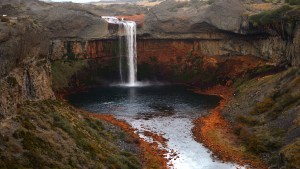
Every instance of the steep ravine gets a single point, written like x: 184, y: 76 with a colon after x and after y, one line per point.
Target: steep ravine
x: 231, y: 60
x: 49, y: 48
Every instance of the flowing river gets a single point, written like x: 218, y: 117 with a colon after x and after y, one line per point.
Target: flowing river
x: 167, y: 110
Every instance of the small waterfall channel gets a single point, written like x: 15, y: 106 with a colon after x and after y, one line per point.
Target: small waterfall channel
x: 128, y: 42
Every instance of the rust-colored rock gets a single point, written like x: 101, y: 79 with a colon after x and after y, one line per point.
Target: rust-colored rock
x: 216, y: 133
x: 151, y: 154
x: 139, y: 19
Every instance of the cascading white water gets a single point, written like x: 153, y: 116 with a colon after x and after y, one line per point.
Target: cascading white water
x: 129, y: 29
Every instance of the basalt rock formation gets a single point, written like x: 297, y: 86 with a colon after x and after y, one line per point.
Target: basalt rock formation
x: 171, y: 31
x: 36, y: 130
x: 46, y: 47
x: 195, y: 17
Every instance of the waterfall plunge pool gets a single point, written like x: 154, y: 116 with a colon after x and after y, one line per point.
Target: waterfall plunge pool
x: 166, y: 110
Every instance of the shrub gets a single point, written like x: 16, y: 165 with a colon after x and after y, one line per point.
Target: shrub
x: 293, y: 2
x: 262, y: 143
x: 263, y: 106
x: 12, y: 81
x: 95, y: 140
x: 270, y: 16
x: 292, y: 154
x: 282, y: 104
x: 248, y: 120
x: 263, y: 70
x: 63, y: 70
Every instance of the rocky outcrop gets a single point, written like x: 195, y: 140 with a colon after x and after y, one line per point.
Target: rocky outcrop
x: 265, y: 113
x: 55, y: 46
x: 29, y: 83
x: 24, y: 68
x: 293, y: 48
x: 25, y: 72
x: 195, y: 16
x: 26, y: 28
x: 53, y: 134
x: 270, y: 48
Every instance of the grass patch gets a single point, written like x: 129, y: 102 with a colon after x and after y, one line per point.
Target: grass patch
x: 282, y: 104
x: 265, y: 142
x: 293, y: 2
x: 55, y: 135
x: 271, y: 16
x: 263, y: 106
x: 12, y: 81
x: 63, y: 70
x: 291, y: 154
x: 248, y: 120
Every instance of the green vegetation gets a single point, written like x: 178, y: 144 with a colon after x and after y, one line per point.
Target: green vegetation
x: 63, y: 70
x: 293, y: 2
x: 271, y: 16
x: 12, y: 81
x: 70, y: 54
x: 82, y: 72
x: 291, y: 153
x: 51, y: 134
x: 265, y: 127
x: 263, y: 106
x: 248, y: 120
x: 264, y: 142
x: 263, y: 70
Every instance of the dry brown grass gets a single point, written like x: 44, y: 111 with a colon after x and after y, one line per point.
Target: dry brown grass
x: 216, y: 133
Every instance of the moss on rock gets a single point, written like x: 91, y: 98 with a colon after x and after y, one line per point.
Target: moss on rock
x: 52, y: 134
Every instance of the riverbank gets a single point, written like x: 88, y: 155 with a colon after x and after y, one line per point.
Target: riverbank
x: 53, y: 134
x: 151, y: 155
x: 214, y: 132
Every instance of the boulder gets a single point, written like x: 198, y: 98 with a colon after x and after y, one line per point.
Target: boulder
x: 195, y: 16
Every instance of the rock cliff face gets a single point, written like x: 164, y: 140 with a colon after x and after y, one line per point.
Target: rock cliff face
x: 293, y: 48
x: 24, y: 68
x: 31, y: 83
x: 195, y: 16
x: 271, y: 48
x: 170, y: 31
x: 53, y: 46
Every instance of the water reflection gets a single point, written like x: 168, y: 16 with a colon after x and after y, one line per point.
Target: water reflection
x: 132, y: 94
x: 165, y: 110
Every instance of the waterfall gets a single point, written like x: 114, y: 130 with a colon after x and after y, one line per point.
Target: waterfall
x: 128, y: 29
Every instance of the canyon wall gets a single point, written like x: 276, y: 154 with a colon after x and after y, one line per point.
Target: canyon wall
x: 270, y: 48
x: 30, y: 83
x: 25, y: 69
x: 36, y: 33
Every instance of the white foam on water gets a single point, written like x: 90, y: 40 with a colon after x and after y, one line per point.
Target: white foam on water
x: 190, y: 154
x: 129, y: 29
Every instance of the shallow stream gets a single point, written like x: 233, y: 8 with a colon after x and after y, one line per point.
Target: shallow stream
x: 167, y: 110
